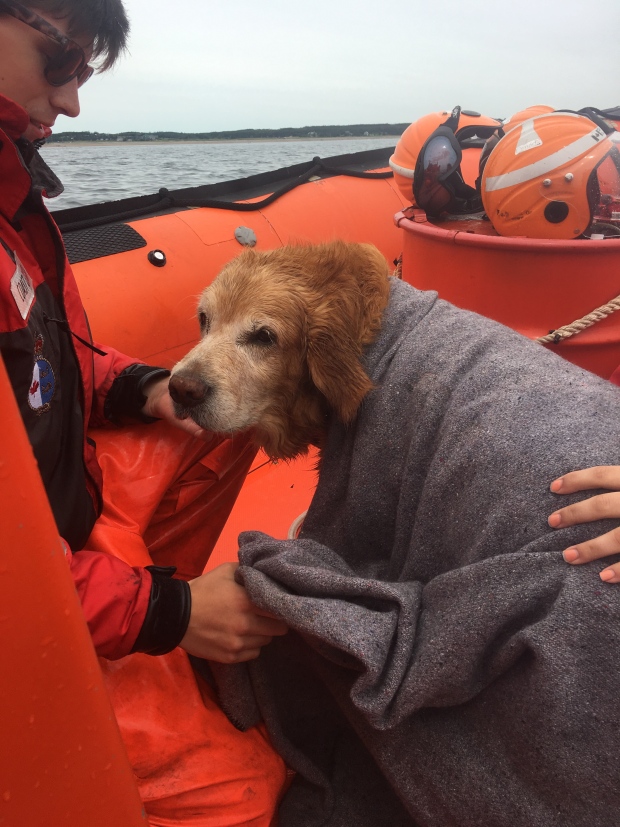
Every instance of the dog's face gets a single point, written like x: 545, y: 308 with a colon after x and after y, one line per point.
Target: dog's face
x: 282, y: 333
x: 251, y: 354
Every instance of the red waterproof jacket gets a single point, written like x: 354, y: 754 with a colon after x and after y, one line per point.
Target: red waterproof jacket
x: 63, y: 386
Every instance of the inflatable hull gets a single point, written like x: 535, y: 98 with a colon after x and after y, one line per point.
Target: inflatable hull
x: 140, y: 279
x: 149, y: 310
x: 141, y: 264
x: 62, y: 761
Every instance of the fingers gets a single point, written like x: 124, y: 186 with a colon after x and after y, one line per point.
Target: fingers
x: 611, y: 574
x: 236, y: 650
x: 600, y: 476
x: 224, y: 625
x: 599, y: 547
x: 600, y: 507
x: 596, y: 549
x: 227, y: 647
x: 271, y: 626
x: 160, y: 405
x: 190, y: 427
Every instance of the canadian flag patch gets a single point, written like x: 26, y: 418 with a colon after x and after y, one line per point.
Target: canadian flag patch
x: 43, y: 382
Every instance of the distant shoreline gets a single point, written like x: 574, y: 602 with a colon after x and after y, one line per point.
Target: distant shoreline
x: 158, y: 142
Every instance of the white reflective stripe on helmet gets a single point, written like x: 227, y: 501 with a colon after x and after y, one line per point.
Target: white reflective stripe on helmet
x: 529, y: 138
x: 404, y: 171
x: 558, y: 159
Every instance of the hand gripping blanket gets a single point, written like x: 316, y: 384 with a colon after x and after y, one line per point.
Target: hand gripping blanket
x: 446, y: 667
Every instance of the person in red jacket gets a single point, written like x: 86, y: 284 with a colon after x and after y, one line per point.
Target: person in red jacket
x: 190, y: 762
x: 64, y: 382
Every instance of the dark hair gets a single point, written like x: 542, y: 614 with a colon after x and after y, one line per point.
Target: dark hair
x: 105, y: 21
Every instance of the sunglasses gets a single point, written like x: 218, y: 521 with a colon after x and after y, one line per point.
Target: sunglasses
x: 69, y: 62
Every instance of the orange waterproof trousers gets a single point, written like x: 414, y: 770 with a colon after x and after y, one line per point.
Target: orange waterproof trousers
x: 166, y: 499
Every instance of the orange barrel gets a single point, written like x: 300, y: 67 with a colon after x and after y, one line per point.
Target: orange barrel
x: 532, y: 285
x: 62, y: 762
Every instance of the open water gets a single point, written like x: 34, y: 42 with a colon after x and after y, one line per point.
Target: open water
x: 107, y: 172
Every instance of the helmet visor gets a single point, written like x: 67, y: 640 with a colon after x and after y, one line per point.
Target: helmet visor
x: 603, y: 191
x: 439, y: 158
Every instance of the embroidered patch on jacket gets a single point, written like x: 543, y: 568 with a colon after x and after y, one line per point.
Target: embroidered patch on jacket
x: 43, y: 385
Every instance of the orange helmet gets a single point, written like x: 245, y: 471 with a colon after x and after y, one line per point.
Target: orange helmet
x: 525, y: 114
x: 435, y: 162
x: 508, y: 123
x: 555, y: 175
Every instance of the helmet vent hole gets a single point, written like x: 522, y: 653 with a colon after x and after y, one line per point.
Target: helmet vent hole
x: 556, y: 211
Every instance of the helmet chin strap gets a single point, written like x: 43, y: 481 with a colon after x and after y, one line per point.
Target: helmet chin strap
x: 597, y: 116
x: 466, y: 199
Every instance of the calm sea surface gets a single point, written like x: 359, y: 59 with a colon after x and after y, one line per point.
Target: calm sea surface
x: 107, y: 172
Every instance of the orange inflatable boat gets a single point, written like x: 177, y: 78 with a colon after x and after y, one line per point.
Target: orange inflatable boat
x: 63, y: 761
x: 158, y: 253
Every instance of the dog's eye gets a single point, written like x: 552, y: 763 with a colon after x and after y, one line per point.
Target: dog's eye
x: 203, y: 321
x: 263, y: 336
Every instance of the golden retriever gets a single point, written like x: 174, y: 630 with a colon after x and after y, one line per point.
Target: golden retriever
x: 282, y: 335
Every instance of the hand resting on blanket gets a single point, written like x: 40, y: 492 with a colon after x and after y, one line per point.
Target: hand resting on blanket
x: 600, y: 507
x: 224, y: 625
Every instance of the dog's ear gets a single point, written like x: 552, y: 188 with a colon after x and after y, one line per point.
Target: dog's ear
x: 335, y: 369
x: 345, y: 316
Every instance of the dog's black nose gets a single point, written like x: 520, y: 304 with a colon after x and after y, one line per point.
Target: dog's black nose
x: 187, y: 391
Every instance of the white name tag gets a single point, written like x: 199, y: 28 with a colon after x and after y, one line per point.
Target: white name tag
x: 22, y: 288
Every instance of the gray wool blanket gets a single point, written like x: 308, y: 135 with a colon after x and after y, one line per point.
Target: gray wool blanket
x: 446, y: 667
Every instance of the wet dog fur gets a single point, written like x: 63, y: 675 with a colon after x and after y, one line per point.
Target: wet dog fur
x: 282, y: 333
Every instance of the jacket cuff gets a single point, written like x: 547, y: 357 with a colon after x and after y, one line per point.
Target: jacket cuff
x: 167, y: 615
x: 126, y: 397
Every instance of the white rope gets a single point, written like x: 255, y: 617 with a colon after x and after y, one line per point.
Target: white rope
x: 398, y: 271
x: 556, y: 336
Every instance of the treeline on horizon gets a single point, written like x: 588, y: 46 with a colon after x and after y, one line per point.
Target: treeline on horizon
x: 376, y: 130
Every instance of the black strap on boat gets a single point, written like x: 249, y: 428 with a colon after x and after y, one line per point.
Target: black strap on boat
x: 318, y: 167
x: 167, y: 200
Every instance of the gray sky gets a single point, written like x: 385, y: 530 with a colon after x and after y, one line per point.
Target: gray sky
x: 204, y: 65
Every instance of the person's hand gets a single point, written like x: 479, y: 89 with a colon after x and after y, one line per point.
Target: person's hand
x: 224, y: 625
x: 600, y: 507
x: 159, y: 404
